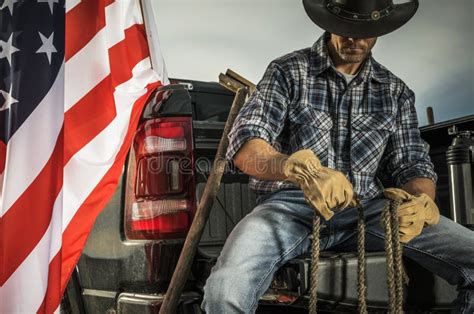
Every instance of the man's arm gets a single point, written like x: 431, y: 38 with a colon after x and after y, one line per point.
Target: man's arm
x: 406, y: 156
x: 325, y: 189
x: 260, y: 120
x: 259, y: 159
x: 420, y: 185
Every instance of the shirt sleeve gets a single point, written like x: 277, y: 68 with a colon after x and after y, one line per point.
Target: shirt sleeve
x: 406, y: 155
x: 263, y: 115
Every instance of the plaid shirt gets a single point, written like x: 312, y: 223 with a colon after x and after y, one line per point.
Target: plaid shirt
x: 367, y: 129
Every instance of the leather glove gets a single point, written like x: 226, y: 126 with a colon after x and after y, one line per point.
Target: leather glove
x: 414, y: 213
x: 324, y: 188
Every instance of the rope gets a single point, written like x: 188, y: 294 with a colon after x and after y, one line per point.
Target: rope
x: 392, y: 297
x: 314, y: 265
x: 361, y: 286
x: 396, y: 275
x: 397, y: 255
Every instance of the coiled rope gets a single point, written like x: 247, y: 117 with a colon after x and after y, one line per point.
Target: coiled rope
x: 361, y: 287
x: 313, y: 299
x: 396, y: 275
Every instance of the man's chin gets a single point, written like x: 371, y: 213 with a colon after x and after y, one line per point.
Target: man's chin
x: 352, y: 58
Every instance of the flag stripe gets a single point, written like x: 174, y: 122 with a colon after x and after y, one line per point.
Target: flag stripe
x: 127, y: 53
x: 82, y: 26
x: 18, y: 177
x: 107, y: 2
x: 90, y: 65
x: 101, y: 152
x: 52, y: 298
x: 75, y: 235
x: 79, y: 131
x: 3, y: 157
x: 33, y: 270
x: 21, y: 219
x: 71, y: 4
x: 86, y: 69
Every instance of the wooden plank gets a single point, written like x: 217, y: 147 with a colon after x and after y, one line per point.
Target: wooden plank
x: 230, y: 83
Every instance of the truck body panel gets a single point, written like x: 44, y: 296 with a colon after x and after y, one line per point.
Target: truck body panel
x: 123, y: 275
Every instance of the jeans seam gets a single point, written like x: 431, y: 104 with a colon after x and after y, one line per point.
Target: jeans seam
x: 290, y: 250
x: 465, y: 275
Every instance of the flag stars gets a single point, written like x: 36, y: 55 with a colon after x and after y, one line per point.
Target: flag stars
x: 50, y: 3
x: 7, y: 49
x: 8, y: 100
x: 8, y: 4
x: 47, y: 47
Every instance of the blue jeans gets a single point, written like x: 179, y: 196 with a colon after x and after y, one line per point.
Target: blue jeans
x: 277, y: 230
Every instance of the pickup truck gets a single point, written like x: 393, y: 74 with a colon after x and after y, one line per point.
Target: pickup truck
x: 134, y: 246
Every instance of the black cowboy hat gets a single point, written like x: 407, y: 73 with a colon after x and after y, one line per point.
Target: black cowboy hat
x: 359, y: 18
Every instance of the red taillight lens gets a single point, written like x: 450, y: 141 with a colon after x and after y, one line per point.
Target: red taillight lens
x: 160, y: 199
x: 167, y: 216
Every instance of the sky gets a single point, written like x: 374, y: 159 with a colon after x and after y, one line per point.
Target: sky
x: 433, y: 53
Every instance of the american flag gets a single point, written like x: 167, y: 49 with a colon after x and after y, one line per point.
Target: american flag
x: 74, y: 78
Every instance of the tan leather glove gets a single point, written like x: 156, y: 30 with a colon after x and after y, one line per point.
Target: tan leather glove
x: 414, y: 213
x: 324, y: 188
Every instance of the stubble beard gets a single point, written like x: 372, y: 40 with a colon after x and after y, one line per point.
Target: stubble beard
x: 352, y: 57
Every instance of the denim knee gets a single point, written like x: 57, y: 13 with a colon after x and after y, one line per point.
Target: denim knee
x: 225, y: 292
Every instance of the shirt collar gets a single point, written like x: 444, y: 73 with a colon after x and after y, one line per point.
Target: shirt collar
x: 378, y: 73
x: 322, y: 61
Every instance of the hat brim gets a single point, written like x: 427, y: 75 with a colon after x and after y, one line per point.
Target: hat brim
x: 321, y: 16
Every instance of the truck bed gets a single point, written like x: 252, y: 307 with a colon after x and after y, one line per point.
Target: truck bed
x: 120, y: 275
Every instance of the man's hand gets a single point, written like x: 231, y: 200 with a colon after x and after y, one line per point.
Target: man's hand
x: 324, y: 188
x: 414, y: 213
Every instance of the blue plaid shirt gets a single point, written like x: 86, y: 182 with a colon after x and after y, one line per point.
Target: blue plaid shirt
x: 367, y: 129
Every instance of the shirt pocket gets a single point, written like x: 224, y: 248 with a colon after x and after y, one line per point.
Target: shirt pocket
x: 311, y: 129
x: 369, y: 136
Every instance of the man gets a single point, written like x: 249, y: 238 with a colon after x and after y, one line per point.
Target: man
x: 322, y: 126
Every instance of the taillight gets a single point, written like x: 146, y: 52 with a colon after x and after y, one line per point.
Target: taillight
x: 160, y: 195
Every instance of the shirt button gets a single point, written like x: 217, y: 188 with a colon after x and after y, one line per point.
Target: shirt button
x: 344, y: 123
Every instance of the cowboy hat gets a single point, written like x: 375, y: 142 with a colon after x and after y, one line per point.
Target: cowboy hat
x: 359, y: 18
